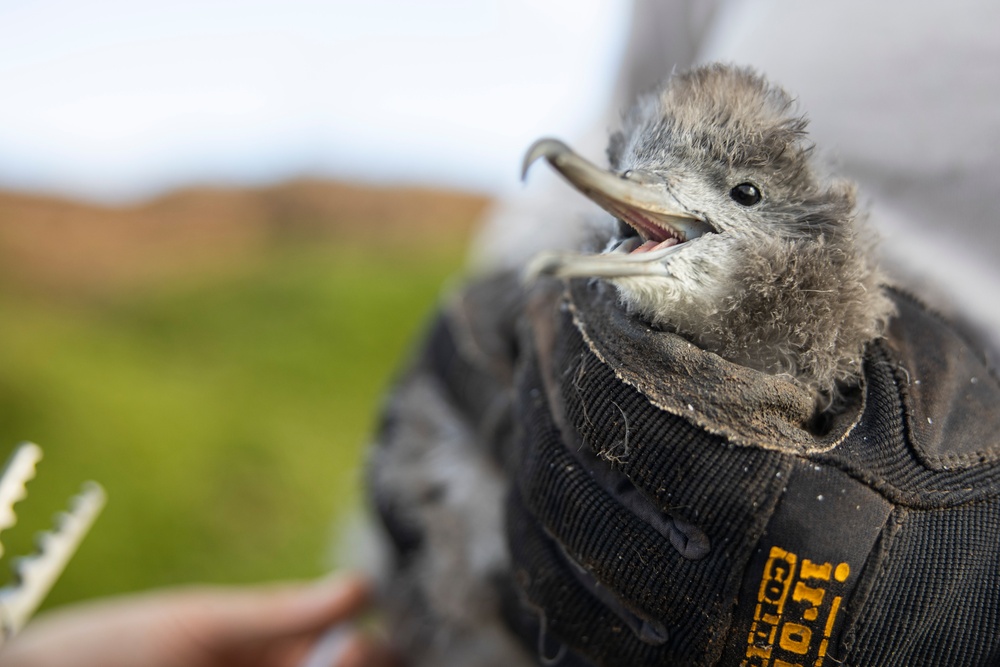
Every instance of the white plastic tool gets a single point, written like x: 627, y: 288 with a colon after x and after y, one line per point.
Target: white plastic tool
x: 35, y: 574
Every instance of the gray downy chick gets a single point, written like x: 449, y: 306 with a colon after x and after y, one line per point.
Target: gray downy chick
x: 729, y: 233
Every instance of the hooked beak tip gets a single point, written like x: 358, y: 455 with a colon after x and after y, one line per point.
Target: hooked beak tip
x: 547, y: 148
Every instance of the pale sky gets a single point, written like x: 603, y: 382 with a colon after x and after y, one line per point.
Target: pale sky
x: 120, y: 99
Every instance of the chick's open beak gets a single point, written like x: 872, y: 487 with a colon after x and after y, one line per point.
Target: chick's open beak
x: 639, y: 199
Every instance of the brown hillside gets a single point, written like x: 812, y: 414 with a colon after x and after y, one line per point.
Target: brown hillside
x: 53, y: 243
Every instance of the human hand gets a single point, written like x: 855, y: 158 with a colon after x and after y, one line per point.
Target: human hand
x: 262, y: 626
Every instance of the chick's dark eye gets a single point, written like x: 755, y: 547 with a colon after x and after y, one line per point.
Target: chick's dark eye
x: 745, y: 194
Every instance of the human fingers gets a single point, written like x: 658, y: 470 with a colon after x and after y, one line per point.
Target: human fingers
x: 221, y: 617
x: 367, y: 651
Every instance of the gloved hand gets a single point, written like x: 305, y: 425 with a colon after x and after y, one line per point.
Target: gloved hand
x: 664, y: 506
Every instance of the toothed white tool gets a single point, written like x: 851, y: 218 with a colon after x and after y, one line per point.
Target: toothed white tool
x: 19, y: 471
x: 35, y: 574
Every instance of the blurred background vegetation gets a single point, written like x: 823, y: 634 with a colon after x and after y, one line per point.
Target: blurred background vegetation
x: 215, y: 359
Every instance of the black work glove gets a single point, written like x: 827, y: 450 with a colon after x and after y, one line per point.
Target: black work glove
x: 666, y: 507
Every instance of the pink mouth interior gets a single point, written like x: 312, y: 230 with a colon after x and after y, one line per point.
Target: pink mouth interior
x: 649, y: 246
x: 657, y: 237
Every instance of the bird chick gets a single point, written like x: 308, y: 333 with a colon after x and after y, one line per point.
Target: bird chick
x: 729, y: 234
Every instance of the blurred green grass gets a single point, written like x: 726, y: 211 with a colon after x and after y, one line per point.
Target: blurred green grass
x: 226, y: 415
